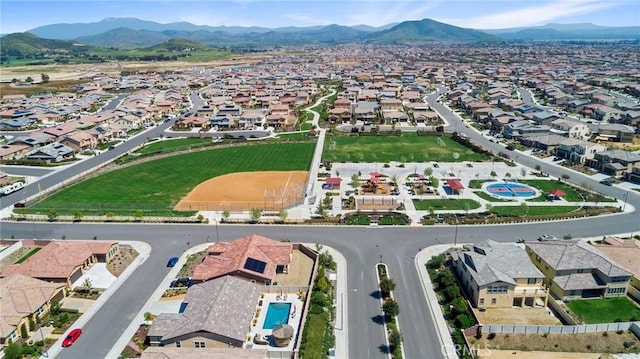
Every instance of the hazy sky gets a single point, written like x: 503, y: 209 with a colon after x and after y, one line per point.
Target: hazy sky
x: 22, y: 15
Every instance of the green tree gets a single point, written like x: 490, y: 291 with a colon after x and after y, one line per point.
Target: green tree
x: 226, y: 215
x: 523, y: 171
x: 45, y: 78
x: 77, y: 216
x: 434, y: 182
x: 428, y: 171
x: 32, y: 324
x: 255, y: 213
x: 395, y: 339
x: 387, y: 285
x: 87, y: 284
x: 55, y: 307
x: 13, y: 351
x: 23, y: 332
x: 52, y: 215
x: 29, y: 80
x: 391, y: 309
x: 565, y: 176
x: 525, y: 208
x: 321, y: 210
x: 283, y: 214
x: 138, y: 215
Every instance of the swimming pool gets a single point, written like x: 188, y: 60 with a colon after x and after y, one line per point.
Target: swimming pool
x: 510, y: 190
x: 277, y: 313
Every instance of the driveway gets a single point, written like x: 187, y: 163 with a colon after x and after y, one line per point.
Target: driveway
x: 99, y: 275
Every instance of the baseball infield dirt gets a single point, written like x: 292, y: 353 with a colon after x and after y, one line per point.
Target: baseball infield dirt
x: 269, y: 191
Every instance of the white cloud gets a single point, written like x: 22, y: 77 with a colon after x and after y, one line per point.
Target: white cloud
x: 532, y: 15
x: 382, y: 13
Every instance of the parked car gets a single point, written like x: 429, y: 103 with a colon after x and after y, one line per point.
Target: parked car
x: 546, y: 237
x: 510, y: 148
x: 10, y: 188
x: 606, y: 182
x: 182, y: 282
x: 71, y: 338
x: 172, y: 261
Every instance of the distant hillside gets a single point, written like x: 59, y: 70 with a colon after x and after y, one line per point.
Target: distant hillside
x: 125, y: 38
x: 178, y: 45
x: 582, y: 31
x: 427, y: 30
x: 25, y: 44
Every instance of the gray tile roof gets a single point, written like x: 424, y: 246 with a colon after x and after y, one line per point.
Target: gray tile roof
x: 576, y: 254
x: 578, y: 281
x: 501, y: 262
x: 223, y: 306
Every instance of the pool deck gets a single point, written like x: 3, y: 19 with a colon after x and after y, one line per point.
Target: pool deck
x: 295, y: 317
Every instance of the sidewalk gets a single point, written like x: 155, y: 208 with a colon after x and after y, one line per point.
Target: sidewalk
x: 447, y: 347
x: 341, y: 325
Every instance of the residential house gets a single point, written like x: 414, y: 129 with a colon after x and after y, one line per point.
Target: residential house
x: 625, y: 251
x: 55, y: 152
x: 34, y: 140
x: 615, y: 132
x: 522, y: 128
x: 253, y: 257
x: 22, y: 299
x: 547, y: 142
x: 64, y: 261
x: 544, y: 117
x: 218, y: 314
x: 577, y: 150
x: 634, y: 175
x: 13, y: 152
x: 570, y: 128
x: 499, y: 275
x: 614, y: 162
x: 80, y: 141
x: 575, y: 269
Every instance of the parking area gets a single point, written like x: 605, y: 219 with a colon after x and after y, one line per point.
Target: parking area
x: 99, y: 275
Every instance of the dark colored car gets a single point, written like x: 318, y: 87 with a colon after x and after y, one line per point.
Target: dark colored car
x: 182, y: 282
x: 510, y: 148
x: 172, y: 261
x: 71, y: 338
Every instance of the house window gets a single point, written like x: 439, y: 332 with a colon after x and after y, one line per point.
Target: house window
x: 531, y: 281
x: 497, y: 289
x: 616, y: 290
x: 481, y: 301
x: 199, y: 344
x: 493, y: 301
x: 178, y: 344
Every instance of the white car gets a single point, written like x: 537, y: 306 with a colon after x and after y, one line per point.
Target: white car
x: 10, y: 188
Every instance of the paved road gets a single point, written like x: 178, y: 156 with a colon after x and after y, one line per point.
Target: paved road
x: 362, y: 246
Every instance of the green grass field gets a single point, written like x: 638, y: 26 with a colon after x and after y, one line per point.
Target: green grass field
x: 445, y: 204
x: 514, y: 211
x: 545, y: 186
x: 158, y: 185
x: 406, y: 148
x: 593, y: 311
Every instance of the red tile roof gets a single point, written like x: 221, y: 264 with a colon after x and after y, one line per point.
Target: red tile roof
x: 230, y: 257
x: 455, y: 184
x: 58, y: 259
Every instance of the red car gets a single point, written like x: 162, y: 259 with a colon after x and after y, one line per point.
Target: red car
x: 72, y: 337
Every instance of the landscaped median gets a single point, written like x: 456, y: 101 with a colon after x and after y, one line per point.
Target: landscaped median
x: 391, y: 310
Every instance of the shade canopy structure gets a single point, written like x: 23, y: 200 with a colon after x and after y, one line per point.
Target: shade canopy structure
x: 557, y: 193
x: 375, y: 174
x: 455, y: 184
x: 282, y: 335
x: 335, y: 181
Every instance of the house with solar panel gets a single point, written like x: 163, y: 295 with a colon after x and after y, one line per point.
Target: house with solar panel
x: 255, y: 258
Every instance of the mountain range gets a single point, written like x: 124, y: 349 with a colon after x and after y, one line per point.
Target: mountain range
x: 136, y: 33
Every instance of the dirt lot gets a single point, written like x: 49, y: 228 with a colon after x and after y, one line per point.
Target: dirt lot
x: 526, y: 315
x: 121, y: 261
x: 611, y: 342
x: 243, y: 191
x: 511, y: 354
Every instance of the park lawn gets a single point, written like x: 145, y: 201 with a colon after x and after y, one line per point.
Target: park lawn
x: 159, y: 184
x: 314, y: 336
x: 513, y: 211
x: 544, y: 186
x: 605, y: 310
x: 406, y: 148
x: 174, y: 145
x: 488, y: 197
x: 445, y: 204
